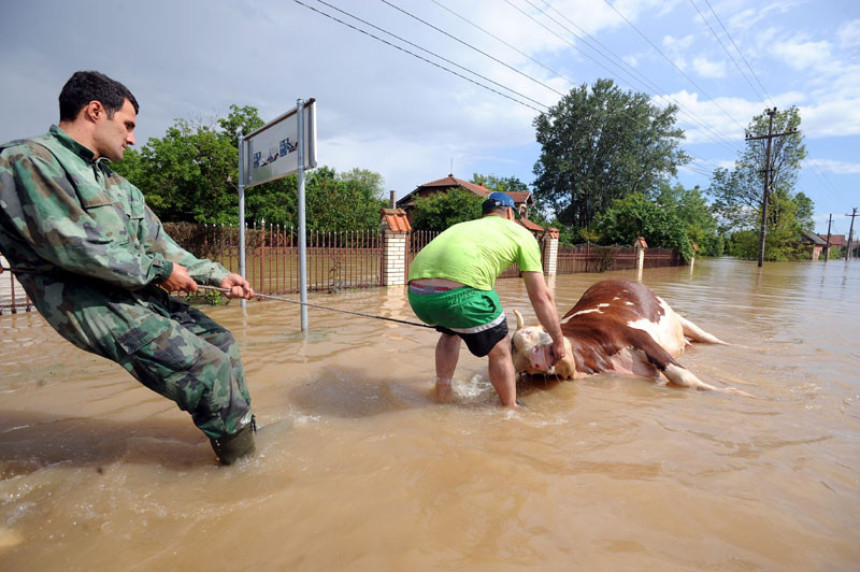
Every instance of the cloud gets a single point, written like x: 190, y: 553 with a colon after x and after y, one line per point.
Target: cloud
x: 848, y: 34
x: 830, y: 166
x: 802, y: 53
x: 710, y: 69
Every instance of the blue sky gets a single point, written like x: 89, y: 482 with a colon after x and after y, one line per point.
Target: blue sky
x: 384, y: 109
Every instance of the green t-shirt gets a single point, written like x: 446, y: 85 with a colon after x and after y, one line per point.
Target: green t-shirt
x: 474, y: 253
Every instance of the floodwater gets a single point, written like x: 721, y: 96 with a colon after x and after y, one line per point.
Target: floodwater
x: 358, y: 469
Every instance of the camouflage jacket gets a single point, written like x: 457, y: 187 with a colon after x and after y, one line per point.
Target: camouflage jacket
x: 61, y: 212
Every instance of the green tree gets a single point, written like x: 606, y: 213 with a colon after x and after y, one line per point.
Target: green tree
x: 191, y: 175
x: 187, y: 175
x: 692, y: 209
x: 637, y: 215
x: 440, y: 210
x: 501, y: 184
x: 600, y: 144
x: 737, y: 193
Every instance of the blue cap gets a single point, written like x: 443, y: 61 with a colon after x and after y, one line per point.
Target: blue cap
x: 500, y: 200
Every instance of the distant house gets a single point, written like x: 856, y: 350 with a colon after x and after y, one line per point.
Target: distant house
x: 522, y: 199
x: 837, y: 242
x: 813, y: 242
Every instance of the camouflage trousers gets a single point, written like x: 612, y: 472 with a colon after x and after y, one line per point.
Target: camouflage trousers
x: 170, y: 347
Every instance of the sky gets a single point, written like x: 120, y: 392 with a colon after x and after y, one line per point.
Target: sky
x: 417, y: 89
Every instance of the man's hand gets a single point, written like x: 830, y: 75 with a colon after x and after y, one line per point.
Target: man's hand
x: 558, y: 351
x: 238, y: 287
x: 179, y: 280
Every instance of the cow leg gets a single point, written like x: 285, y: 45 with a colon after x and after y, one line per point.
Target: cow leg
x: 697, y: 334
x: 676, y: 373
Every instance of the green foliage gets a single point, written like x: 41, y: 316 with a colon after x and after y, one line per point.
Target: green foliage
x: 694, y: 213
x: 190, y: 175
x: 636, y: 215
x: 600, y: 144
x: 737, y: 193
x: 502, y: 184
x: 440, y: 210
x: 782, y: 241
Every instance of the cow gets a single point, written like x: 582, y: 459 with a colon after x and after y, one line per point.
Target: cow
x: 619, y: 326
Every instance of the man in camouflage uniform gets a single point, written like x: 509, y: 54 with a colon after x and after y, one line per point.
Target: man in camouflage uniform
x: 98, y: 264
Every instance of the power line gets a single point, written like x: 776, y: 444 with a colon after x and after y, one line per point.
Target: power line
x: 386, y: 42
x: 654, y: 88
x: 740, y: 53
x: 500, y: 40
x: 646, y: 82
x: 483, y: 53
x: 668, y: 59
x: 731, y: 57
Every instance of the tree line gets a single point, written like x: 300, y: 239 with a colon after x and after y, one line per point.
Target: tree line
x: 605, y: 171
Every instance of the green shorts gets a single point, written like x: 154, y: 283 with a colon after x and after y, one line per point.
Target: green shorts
x: 474, y: 315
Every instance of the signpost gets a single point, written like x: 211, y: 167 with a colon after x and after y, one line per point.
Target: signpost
x: 282, y: 147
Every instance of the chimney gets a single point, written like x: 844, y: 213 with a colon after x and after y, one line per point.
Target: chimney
x: 392, y: 202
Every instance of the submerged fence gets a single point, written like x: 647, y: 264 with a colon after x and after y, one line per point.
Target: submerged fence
x: 588, y: 257
x: 340, y: 260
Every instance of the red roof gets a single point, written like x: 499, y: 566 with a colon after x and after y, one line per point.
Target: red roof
x: 530, y: 225
x: 451, y: 181
x: 396, y: 220
x: 835, y: 239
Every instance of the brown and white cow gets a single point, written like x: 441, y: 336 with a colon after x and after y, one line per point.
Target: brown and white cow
x: 619, y: 326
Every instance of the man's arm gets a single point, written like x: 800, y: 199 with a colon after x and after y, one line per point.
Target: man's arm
x: 543, y: 303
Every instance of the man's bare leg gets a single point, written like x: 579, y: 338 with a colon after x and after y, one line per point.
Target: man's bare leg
x: 447, y: 355
x: 502, y: 374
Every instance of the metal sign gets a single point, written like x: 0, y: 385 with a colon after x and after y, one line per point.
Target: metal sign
x: 272, y: 151
x: 282, y: 147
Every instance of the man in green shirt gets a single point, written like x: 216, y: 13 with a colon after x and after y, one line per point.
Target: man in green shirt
x: 98, y: 264
x: 451, y: 287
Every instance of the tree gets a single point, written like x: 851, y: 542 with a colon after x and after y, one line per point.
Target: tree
x: 637, y: 215
x: 438, y: 211
x: 191, y: 174
x: 601, y: 144
x: 693, y: 211
x: 501, y: 184
x: 737, y: 193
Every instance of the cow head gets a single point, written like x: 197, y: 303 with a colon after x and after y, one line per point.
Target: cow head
x: 531, y: 349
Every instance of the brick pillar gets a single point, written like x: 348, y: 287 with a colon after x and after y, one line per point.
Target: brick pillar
x: 550, y: 262
x: 396, y: 229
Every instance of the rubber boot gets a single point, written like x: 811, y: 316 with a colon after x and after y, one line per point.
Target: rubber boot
x: 230, y: 448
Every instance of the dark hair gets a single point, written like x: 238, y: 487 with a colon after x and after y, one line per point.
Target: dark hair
x: 491, y: 207
x: 86, y: 86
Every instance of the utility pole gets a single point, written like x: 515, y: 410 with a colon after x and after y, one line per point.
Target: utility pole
x: 768, y: 177
x: 827, y: 246
x: 853, y: 214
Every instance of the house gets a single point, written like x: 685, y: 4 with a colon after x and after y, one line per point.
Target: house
x: 837, y: 242
x: 813, y: 242
x: 522, y: 199
x: 407, y: 203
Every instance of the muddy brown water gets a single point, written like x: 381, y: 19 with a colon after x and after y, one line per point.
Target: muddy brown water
x: 359, y: 469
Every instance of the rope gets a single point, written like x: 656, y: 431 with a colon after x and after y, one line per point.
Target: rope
x: 282, y: 299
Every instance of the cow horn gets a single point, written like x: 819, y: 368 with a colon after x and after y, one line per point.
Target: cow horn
x: 519, y: 320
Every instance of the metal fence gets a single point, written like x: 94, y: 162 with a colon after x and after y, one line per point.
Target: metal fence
x: 593, y: 258
x: 337, y: 260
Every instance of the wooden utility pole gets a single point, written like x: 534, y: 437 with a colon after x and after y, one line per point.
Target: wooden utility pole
x: 827, y: 246
x: 768, y: 177
x: 853, y: 214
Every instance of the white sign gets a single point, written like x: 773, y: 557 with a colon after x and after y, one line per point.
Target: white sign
x: 271, y: 152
